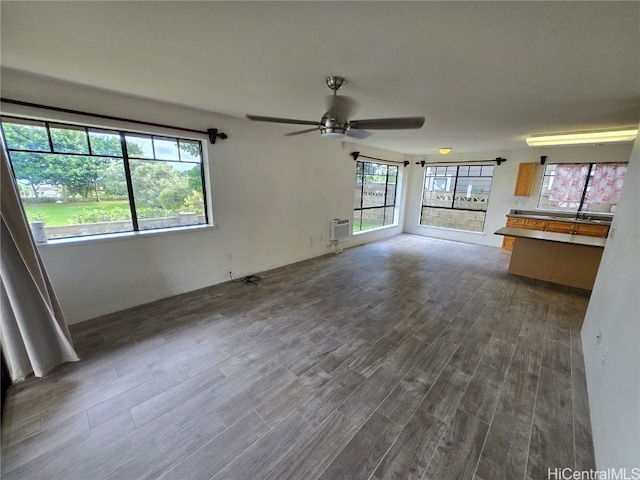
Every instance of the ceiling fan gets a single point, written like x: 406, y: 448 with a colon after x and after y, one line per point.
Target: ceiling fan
x: 335, y: 122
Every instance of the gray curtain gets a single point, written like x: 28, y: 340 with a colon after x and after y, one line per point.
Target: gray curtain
x: 33, y: 331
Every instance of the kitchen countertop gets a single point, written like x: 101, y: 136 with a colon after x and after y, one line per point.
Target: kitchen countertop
x: 552, y: 236
x: 598, y: 220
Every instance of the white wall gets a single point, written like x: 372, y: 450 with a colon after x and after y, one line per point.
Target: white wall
x: 614, y: 312
x: 273, y: 198
x: 502, y: 199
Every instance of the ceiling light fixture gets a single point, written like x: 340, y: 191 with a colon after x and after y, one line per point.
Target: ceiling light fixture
x: 583, y: 138
x: 444, y: 150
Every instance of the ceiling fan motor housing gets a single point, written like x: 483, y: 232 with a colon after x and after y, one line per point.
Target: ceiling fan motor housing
x: 331, y: 128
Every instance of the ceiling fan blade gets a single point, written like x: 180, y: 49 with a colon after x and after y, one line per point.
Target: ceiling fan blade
x: 259, y: 118
x: 340, y: 107
x: 388, y: 123
x: 299, y: 132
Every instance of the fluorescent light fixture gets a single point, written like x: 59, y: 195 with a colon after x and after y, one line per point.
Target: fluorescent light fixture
x: 444, y: 150
x: 582, y: 138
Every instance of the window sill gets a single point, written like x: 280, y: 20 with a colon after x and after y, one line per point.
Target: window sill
x: 457, y: 230
x: 89, y: 239
x: 376, y: 229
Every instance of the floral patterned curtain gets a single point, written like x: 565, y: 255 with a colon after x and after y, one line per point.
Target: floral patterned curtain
x: 568, y: 183
x: 606, y: 183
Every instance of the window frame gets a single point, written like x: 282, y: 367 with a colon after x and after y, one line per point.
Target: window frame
x: 431, y: 180
x: 125, y: 158
x: 359, y: 210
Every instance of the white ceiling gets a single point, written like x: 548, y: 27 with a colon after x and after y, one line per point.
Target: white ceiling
x: 484, y: 74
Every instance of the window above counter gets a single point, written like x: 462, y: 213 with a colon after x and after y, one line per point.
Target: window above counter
x: 582, y: 188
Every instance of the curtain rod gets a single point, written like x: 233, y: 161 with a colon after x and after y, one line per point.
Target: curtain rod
x: 498, y: 160
x: 355, y: 156
x: 211, y: 132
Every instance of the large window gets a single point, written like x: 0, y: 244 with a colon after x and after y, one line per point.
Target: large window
x: 582, y: 187
x: 81, y: 180
x: 456, y: 196
x: 375, y: 200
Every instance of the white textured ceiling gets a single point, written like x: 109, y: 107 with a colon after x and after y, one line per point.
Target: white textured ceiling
x: 484, y: 74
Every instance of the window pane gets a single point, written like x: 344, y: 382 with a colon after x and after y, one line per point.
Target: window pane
x: 26, y: 135
x: 605, y: 185
x: 487, y: 170
x: 358, y: 198
x: 373, y: 194
x: 475, y: 171
x: 388, y: 215
x: 372, y: 218
x: 391, y: 194
x: 104, y: 142
x: 166, y: 149
x: 73, y: 195
x: 453, y: 219
x: 472, y: 193
x: 463, y: 171
x: 167, y: 194
x: 139, y: 146
x: 190, y: 151
x: 69, y: 139
x: 357, y: 221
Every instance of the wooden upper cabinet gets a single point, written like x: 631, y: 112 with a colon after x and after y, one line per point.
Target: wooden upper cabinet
x: 524, y: 181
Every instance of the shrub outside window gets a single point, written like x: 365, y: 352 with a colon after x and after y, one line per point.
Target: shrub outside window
x: 456, y: 196
x: 582, y: 187
x: 375, y: 195
x: 81, y: 180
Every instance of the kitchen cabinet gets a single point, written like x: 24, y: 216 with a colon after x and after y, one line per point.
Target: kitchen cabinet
x: 557, y: 226
x: 561, y: 258
x: 591, y: 230
x: 534, y: 224
x: 524, y: 180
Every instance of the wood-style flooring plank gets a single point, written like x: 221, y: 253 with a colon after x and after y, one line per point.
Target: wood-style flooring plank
x: 205, y: 462
x: 445, y: 394
x: 360, y: 457
x: 318, y: 450
x: 266, y: 453
x: 411, y: 452
x: 459, y: 449
x: 504, y: 456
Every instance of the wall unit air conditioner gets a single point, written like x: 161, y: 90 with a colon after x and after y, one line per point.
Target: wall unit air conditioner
x: 340, y: 228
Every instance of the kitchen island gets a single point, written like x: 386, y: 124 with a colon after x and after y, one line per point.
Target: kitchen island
x: 562, y: 258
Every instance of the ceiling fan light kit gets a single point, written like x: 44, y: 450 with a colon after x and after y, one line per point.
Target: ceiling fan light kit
x: 335, y: 122
x: 583, y: 138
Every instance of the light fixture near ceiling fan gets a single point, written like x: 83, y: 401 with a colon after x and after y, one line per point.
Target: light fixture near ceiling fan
x: 335, y: 122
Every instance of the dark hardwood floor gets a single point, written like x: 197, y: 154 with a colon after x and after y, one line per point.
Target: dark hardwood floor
x: 409, y: 358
